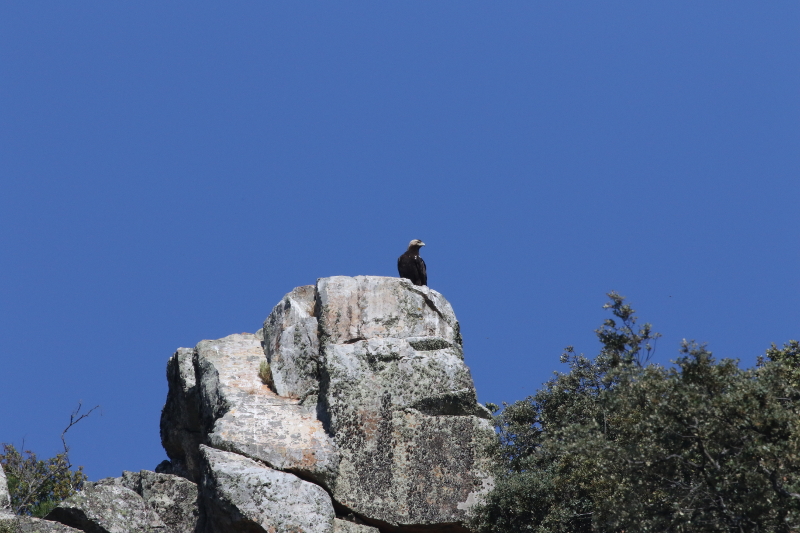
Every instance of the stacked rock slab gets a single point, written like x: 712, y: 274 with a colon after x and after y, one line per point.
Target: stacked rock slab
x: 142, y: 501
x: 400, y: 404
x: 25, y: 524
x: 245, y: 495
x: 291, y: 343
x: 217, y: 385
x: 171, y: 498
x: 367, y: 422
x: 108, y: 508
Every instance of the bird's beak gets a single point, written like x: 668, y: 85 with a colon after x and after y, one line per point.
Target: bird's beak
x: 422, y: 244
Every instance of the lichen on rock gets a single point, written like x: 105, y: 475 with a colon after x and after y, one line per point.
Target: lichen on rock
x: 371, y: 411
x: 244, y: 495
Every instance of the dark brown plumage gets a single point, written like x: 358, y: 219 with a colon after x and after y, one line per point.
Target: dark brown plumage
x: 411, y: 266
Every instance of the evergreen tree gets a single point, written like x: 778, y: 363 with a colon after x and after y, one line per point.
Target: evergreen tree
x: 619, y: 445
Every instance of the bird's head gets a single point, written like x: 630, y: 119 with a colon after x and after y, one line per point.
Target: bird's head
x: 416, y: 243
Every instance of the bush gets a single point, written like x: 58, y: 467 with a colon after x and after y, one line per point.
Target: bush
x: 36, y: 485
x: 618, y: 445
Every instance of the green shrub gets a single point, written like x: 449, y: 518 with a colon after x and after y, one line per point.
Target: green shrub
x: 618, y: 445
x: 36, y: 485
x: 265, y: 375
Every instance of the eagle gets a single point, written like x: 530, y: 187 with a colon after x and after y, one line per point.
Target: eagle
x: 411, y: 266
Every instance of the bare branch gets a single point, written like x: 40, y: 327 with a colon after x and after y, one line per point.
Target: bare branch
x: 74, y: 418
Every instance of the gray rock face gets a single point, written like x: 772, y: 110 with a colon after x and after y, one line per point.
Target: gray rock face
x: 26, y: 524
x: 343, y: 526
x: 366, y: 307
x: 106, y: 508
x: 5, y: 500
x: 182, y: 429
x: 172, y: 498
x: 235, y: 411
x: 292, y: 345
x: 373, y: 410
x: 400, y: 403
x: 244, y: 495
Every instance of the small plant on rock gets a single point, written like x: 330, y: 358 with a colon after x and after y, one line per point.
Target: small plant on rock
x: 265, y: 375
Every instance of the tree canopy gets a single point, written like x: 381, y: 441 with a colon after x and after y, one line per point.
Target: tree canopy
x: 619, y: 445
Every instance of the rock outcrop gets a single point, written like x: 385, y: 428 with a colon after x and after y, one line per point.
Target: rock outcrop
x: 350, y: 411
x: 245, y: 495
x: 399, y: 402
x: 5, y: 500
x: 10, y: 523
x: 172, y: 498
x: 343, y: 526
x: 107, y: 508
x: 235, y: 411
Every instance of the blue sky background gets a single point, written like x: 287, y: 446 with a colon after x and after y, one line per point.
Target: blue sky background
x: 171, y: 169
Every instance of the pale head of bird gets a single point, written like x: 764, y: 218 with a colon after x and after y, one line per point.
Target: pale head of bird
x: 415, y: 244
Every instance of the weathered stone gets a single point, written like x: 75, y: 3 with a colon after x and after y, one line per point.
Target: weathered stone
x: 26, y: 524
x: 413, y: 469
x: 172, y: 498
x: 238, y: 413
x: 400, y: 403
x: 372, y: 401
x: 107, y: 508
x: 5, y: 500
x: 244, y: 495
x: 433, y: 381
x: 182, y: 429
x: 292, y: 345
x: 256, y: 422
x: 366, y: 307
x: 343, y: 526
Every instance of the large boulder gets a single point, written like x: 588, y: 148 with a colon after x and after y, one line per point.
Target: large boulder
x: 400, y: 403
x: 235, y: 411
x: 10, y: 523
x: 367, y: 307
x: 172, y: 498
x: 291, y: 344
x: 107, y: 508
x: 241, y: 494
x: 182, y: 429
x: 367, y: 400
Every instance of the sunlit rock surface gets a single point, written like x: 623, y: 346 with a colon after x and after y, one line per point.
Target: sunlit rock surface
x: 236, y: 411
x: 172, y: 498
x: 350, y: 411
x: 244, y: 495
x: 110, y: 508
x: 343, y: 526
x: 400, y: 403
x: 291, y: 345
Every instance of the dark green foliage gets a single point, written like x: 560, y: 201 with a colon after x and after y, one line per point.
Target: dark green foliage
x: 36, y: 485
x: 615, y: 445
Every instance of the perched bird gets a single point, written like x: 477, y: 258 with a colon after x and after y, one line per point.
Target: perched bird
x: 411, y: 266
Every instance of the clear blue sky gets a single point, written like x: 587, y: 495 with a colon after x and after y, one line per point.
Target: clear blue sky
x: 169, y: 170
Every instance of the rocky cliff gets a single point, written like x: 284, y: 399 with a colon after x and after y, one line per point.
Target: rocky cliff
x: 351, y: 410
